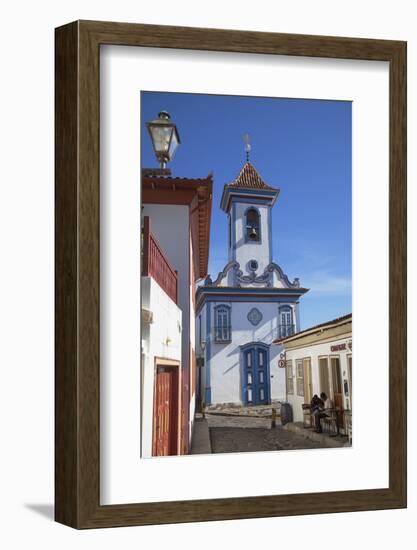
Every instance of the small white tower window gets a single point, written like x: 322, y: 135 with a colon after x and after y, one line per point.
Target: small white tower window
x: 253, y: 232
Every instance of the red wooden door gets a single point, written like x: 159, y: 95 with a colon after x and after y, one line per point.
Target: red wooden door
x: 165, y: 422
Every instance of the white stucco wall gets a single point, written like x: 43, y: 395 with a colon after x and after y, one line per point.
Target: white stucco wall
x: 161, y: 339
x: 170, y: 225
x: 193, y: 375
x: 224, y: 360
x: 314, y: 352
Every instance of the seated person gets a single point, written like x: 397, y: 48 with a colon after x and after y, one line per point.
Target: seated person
x: 322, y: 410
x: 328, y: 403
x: 316, y: 406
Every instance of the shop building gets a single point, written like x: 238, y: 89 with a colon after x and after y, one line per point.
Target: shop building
x: 316, y: 360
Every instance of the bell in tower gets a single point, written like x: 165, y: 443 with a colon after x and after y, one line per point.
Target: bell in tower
x: 252, y: 225
x: 253, y: 235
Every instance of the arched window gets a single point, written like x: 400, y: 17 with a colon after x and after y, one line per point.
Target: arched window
x: 253, y: 226
x: 222, y: 324
x: 286, y: 322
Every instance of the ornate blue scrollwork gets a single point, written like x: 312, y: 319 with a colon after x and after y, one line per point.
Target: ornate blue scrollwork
x: 255, y: 316
x: 266, y: 278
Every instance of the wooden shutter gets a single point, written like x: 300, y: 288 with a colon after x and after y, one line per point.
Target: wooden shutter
x: 324, y: 376
x: 289, y: 377
x: 300, y: 377
x: 308, y: 390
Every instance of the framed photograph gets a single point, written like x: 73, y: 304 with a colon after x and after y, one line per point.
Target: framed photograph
x: 230, y: 274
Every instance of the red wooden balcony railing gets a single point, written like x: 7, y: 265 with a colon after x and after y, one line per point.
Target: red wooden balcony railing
x: 155, y: 264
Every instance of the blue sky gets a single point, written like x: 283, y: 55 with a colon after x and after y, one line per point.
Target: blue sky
x: 303, y: 147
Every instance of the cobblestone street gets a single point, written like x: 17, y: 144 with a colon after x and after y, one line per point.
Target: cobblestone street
x: 230, y: 434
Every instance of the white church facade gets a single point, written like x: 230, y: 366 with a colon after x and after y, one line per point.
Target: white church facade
x: 250, y: 304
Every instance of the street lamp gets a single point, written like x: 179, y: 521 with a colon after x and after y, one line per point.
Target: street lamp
x: 165, y: 138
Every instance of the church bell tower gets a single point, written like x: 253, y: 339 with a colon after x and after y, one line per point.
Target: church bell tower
x: 248, y: 203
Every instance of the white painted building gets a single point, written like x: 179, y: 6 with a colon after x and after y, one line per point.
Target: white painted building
x: 176, y: 226
x: 161, y: 347
x: 251, y: 303
x: 319, y: 359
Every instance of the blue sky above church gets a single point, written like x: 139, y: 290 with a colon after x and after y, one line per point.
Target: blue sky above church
x: 303, y: 147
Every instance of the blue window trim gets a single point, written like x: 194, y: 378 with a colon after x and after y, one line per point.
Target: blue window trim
x: 245, y: 225
x: 253, y: 344
x: 228, y: 326
x: 290, y: 328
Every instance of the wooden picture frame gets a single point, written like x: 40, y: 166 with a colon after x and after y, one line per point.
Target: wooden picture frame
x: 77, y: 405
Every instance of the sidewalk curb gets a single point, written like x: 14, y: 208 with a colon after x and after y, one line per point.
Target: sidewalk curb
x: 200, y: 441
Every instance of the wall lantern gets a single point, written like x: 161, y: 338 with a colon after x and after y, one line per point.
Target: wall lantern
x: 164, y: 136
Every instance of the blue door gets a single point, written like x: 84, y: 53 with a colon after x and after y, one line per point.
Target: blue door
x: 255, y: 374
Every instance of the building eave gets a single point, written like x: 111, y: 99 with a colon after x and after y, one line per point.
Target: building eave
x: 224, y: 292
x: 235, y: 191
x: 183, y: 191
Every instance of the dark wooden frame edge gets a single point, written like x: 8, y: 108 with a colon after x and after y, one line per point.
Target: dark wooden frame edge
x: 77, y: 407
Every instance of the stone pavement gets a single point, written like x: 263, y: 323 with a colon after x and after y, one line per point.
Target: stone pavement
x: 231, y: 434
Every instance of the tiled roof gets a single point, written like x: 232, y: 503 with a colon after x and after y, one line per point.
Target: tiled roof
x: 249, y: 177
x: 169, y: 180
